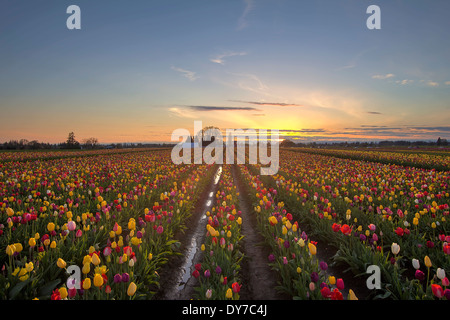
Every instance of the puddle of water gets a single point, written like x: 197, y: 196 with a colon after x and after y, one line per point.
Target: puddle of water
x: 218, y: 174
x: 194, y: 246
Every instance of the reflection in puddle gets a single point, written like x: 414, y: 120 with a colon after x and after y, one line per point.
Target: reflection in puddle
x: 194, y: 246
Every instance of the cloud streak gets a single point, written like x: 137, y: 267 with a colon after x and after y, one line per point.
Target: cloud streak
x: 277, y: 104
x: 186, y: 73
x: 221, y: 108
x: 383, y: 76
x: 220, y: 59
x: 242, y: 22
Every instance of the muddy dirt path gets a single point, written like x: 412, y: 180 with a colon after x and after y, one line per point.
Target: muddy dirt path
x: 258, y: 280
x: 176, y: 280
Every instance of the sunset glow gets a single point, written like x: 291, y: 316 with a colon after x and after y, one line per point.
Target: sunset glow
x: 136, y: 72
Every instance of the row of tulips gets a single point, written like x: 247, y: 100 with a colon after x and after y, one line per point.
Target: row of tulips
x: 218, y: 274
x: 368, y: 211
x: 294, y: 254
x: 435, y: 159
x: 58, y: 154
x: 113, y: 216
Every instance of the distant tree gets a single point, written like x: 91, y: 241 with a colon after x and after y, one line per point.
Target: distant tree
x: 71, y: 142
x: 90, y: 143
x: 439, y: 142
x: 286, y: 143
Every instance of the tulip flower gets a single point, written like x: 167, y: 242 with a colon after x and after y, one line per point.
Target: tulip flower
x: 416, y: 264
x: 131, y: 289
x: 340, y: 284
x: 95, y: 259
x: 440, y: 273
x: 437, y: 290
x: 98, y: 280
x: 236, y: 287
x: 208, y: 294
x: 352, y: 295
x: 10, y: 250
x: 229, y: 294
x: 63, y: 292
x: 71, y: 225
x: 427, y: 261
x: 419, y: 275
x: 312, y: 248
x: 125, y: 277
x: 86, y: 283
x: 61, y: 263
x: 395, y: 248
x: 32, y: 242
x: 50, y: 226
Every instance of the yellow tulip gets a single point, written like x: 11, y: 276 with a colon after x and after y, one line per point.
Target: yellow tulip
x: 50, y: 226
x: 428, y: 262
x: 131, y: 289
x: 18, y: 247
x: 352, y: 295
x: 229, y: 293
x: 312, y: 248
x: 150, y: 256
x: 332, y: 280
x: 32, y: 242
x: 98, y: 280
x: 29, y: 266
x: 87, y: 259
x: 86, y: 283
x: 63, y: 292
x: 86, y: 268
x: 61, y: 263
x: 95, y: 259
x: 10, y: 250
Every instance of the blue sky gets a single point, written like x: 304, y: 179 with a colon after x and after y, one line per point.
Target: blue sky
x: 138, y: 70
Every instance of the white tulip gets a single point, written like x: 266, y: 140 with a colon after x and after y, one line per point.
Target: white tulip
x: 395, y: 248
x: 416, y: 264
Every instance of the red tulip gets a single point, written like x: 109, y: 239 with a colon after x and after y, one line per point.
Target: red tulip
x: 437, y: 290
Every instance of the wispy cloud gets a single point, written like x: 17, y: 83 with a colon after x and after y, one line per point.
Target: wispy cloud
x: 221, y: 108
x: 220, y: 59
x: 404, y: 82
x: 373, y: 112
x: 180, y: 112
x: 432, y: 84
x: 383, y: 76
x: 447, y: 83
x: 242, y: 22
x: 186, y: 73
x: 250, y: 82
x: 277, y: 104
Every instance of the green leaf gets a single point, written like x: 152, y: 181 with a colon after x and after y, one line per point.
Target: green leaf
x: 17, y: 288
x: 47, y: 288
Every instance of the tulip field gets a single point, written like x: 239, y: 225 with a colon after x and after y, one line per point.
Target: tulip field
x: 120, y: 217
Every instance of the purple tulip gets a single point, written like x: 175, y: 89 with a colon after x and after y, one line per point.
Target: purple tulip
x: 218, y: 270
x: 117, y: 278
x: 125, y: 277
x: 314, y: 277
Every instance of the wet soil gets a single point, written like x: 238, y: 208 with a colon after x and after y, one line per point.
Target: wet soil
x: 176, y: 282
x: 258, y: 279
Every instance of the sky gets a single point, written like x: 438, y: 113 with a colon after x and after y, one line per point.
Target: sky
x: 138, y: 70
